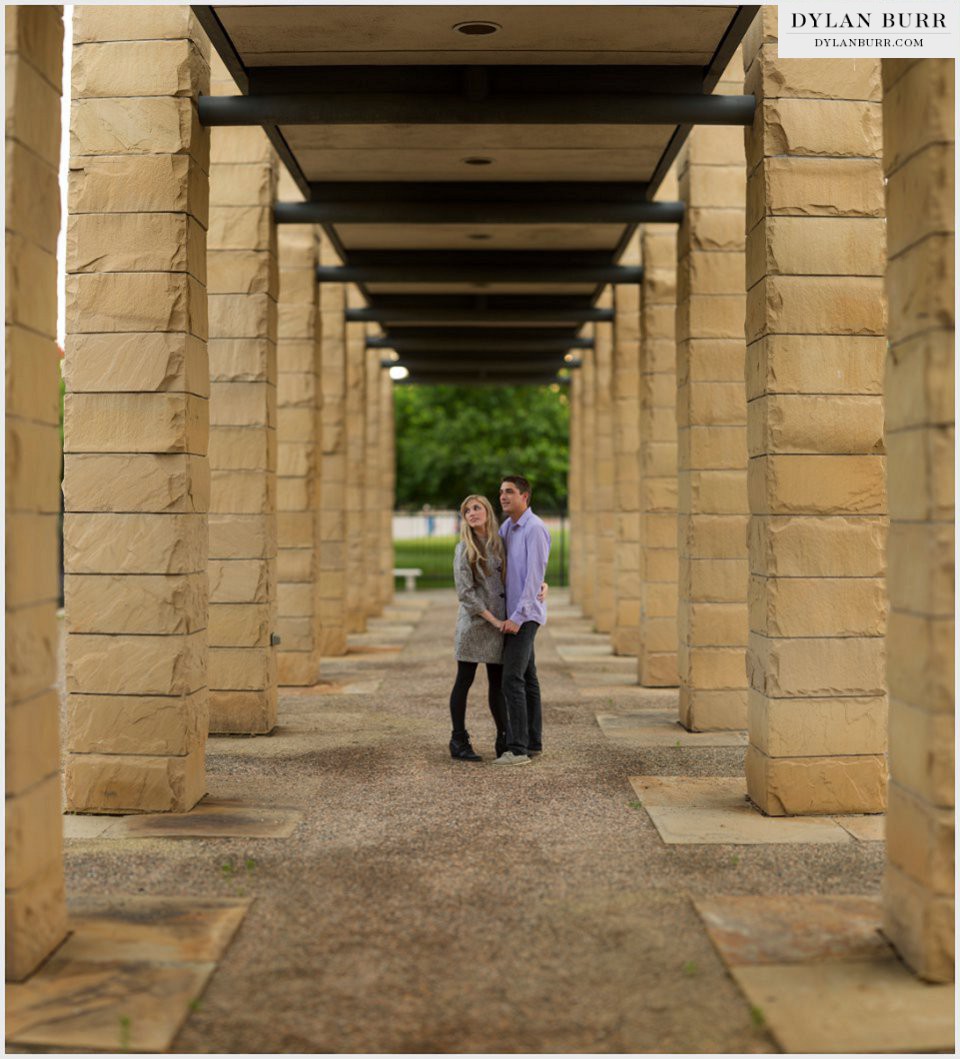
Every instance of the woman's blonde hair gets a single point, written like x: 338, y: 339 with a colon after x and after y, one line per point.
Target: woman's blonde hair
x: 480, y: 551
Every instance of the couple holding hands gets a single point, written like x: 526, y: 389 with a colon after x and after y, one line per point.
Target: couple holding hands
x: 499, y: 580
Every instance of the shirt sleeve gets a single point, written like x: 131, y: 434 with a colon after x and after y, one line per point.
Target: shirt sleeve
x: 467, y: 591
x: 538, y: 551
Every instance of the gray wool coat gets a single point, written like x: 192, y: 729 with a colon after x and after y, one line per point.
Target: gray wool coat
x: 476, y: 639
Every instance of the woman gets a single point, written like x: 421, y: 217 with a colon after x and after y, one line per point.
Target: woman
x: 479, y: 567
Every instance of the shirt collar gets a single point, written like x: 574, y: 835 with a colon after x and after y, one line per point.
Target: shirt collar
x: 524, y: 518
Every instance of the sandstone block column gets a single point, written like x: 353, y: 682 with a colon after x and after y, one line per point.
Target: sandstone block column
x: 36, y: 912
x: 604, y: 600
x: 574, y: 520
x: 298, y: 452
x: 333, y: 523
x: 815, y: 332
x: 355, y: 376
x: 711, y: 429
x: 918, y: 154
x: 136, y: 481
x: 387, y: 486
x: 373, y: 484
x: 588, y: 465
x: 626, y: 416
x: 657, y: 655
x: 242, y: 262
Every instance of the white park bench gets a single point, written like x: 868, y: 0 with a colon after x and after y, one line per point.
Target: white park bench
x: 409, y: 575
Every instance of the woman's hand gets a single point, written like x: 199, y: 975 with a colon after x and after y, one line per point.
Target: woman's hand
x: 544, y: 589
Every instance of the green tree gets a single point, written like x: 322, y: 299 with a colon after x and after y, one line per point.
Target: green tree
x: 457, y: 440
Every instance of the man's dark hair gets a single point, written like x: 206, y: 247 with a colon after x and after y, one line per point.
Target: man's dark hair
x: 523, y: 486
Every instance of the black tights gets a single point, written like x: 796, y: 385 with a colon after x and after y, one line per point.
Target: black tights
x: 466, y: 671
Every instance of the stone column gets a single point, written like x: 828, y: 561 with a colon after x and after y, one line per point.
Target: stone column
x: 387, y: 485
x: 626, y: 416
x: 603, y: 489
x: 243, y: 284
x: 36, y: 912
x: 574, y: 520
x: 815, y: 332
x: 918, y: 154
x: 298, y: 451
x: 711, y: 420
x: 657, y: 659
x: 355, y: 480
x: 588, y: 474
x: 373, y: 485
x: 333, y: 575
x: 136, y: 477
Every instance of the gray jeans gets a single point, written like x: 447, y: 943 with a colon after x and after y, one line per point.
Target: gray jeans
x: 521, y: 690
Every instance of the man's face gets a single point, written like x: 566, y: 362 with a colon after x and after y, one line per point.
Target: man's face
x: 512, y: 500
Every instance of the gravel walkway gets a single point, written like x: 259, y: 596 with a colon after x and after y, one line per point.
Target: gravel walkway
x: 426, y: 905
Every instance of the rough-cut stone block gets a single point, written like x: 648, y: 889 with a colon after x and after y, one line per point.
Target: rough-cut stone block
x: 243, y: 536
x: 32, y: 466
x: 31, y: 637
x: 816, y: 668
x: 814, y: 187
x: 806, y: 423
x: 95, y: 22
x: 713, y: 709
x: 921, y: 668
x: 241, y: 272
x: 822, y: 246
x: 242, y: 360
x: 242, y: 448
x: 159, y: 125
x: 244, y: 184
x: 920, y: 924
x: 658, y: 670
x: 710, y: 229
x: 768, y: 77
x: 243, y: 492
x: 142, y: 363
x: 127, y: 422
x: 920, y: 284
x: 243, y: 315
x: 847, y: 305
x: 136, y: 724
x: 805, y: 546
x: 136, y: 242
x: 240, y: 625
x: 31, y: 376
x: 139, y: 68
x: 31, y: 287
x: 712, y: 492
x: 128, y: 783
x: 144, y: 603
x: 821, y: 606
x: 243, y: 146
x: 712, y: 625
x: 713, y: 536
x: 918, y: 110
x: 815, y: 364
x: 295, y: 564
x: 712, y: 403
x: 712, y: 667
x: 709, y: 315
x: 242, y: 668
x: 815, y: 127
x: 811, y: 786
x: 921, y: 470
x: 33, y: 838
x: 920, y: 197
x: 136, y: 665
x: 245, y: 404
x: 714, y: 580
x: 243, y: 712
x: 241, y: 580
x: 295, y: 494
x: 817, y: 485
x: 921, y: 570
x: 138, y: 184
x: 920, y: 381
x: 33, y: 106
x: 32, y: 188
x: 125, y: 482
x: 922, y: 754
x: 132, y: 544
x: 817, y: 727
x: 713, y: 448
x: 30, y: 576
x: 920, y: 839
x: 136, y: 301
x: 32, y: 746
x: 36, y: 920
x: 36, y: 34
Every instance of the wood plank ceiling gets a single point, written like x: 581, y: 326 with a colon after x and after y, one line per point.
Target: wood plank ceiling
x: 479, y: 169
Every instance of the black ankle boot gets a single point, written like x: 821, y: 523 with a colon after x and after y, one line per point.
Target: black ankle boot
x: 461, y: 749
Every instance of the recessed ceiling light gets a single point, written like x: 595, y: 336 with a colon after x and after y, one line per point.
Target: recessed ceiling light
x: 477, y: 29
x: 398, y: 372
x: 478, y: 161
x: 479, y: 235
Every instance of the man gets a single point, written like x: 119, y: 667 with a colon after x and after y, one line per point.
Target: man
x: 527, y: 543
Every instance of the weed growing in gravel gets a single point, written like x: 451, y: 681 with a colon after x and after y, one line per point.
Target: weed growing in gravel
x: 734, y: 860
x: 125, y: 1024
x: 690, y: 968
x: 195, y: 1004
x: 635, y: 805
x: 757, y: 1016
x: 250, y: 864
x: 228, y: 868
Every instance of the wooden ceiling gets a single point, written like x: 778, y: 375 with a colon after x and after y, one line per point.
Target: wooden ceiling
x: 463, y: 159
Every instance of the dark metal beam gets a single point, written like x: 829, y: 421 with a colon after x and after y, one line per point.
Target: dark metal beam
x: 492, y: 316
x: 444, y: 343
x: 469, y: 212
x: 361, y: 108
x: 372, y: 274
x: 460, y: 366
x: 480, y: 379
x: 433, y: 191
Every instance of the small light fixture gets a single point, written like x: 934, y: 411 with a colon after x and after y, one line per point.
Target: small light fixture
x: 479, y: 235
x: 477, y: 29
x: 398, y: 372
x: 475, y: 160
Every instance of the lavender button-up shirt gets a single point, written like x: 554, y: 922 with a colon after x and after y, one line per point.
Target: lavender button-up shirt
x: 527, y: 542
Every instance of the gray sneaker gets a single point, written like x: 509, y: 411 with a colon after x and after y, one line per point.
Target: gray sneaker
x: 508, y: 757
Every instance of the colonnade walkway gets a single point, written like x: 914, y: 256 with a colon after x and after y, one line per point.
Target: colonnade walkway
x: 412, y: 903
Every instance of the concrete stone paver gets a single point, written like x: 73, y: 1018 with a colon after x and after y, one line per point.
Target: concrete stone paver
x: 430, y: 905
x: 661, y: 728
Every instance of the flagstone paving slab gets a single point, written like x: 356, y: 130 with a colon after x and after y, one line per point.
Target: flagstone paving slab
x: 865, y: 828
x: 821, y: 976
x: 713, y: 809
x: 128, y: 975
x: 661, y: 728
x: 210, y: 819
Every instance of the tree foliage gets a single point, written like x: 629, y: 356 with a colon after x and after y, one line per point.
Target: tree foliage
x: 457, y: 440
